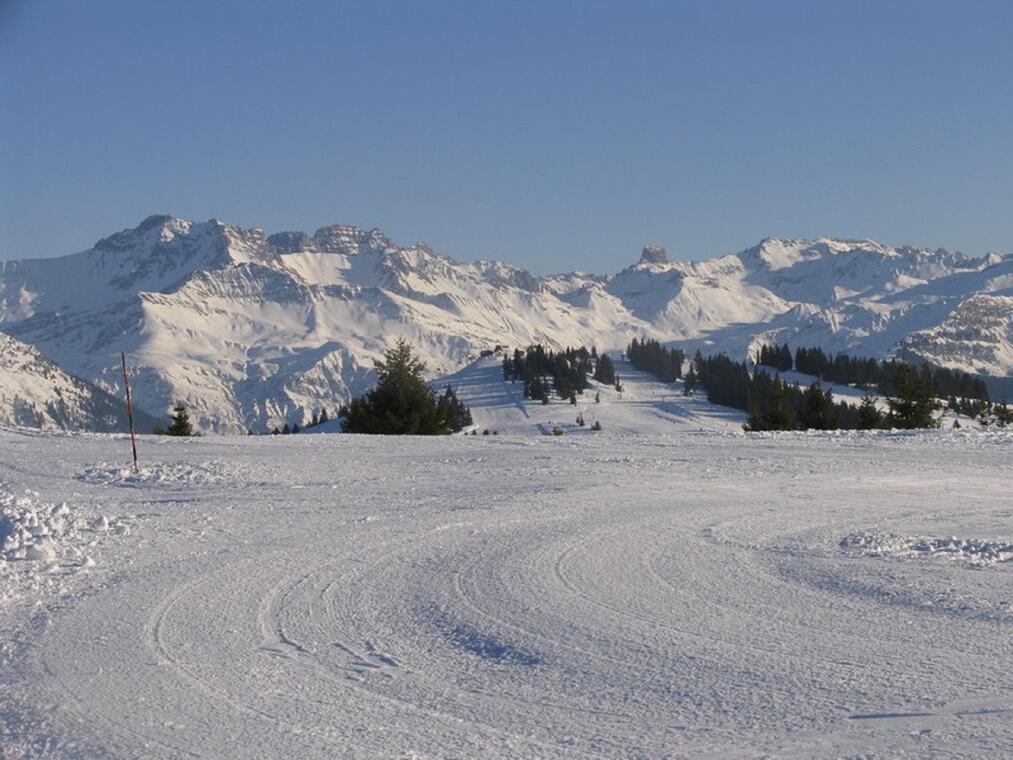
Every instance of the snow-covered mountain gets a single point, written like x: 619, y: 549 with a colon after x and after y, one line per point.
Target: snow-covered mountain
x: 34, y: 392
x: 252, y: 330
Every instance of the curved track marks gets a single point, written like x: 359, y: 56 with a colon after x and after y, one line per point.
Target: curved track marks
x: 616, y: 598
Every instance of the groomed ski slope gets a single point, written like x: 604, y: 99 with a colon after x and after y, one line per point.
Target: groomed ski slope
x: 645, y: 405
x: 690, y: 595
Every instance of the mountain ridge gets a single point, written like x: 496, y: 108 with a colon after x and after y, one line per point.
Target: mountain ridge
x: 35, y: 392
x: 253, y: 330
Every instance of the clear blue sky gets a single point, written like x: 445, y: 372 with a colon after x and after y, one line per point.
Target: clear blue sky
x: 553, y: 135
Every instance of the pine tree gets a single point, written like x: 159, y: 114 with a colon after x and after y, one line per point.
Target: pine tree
x: 605, y: 371
x: 779, y: 413
x: 818, y: 412
x: 401, y: 403
x: 323, y: 415
x: 869, y: 416
x: 1003, y: 414
x: 914, y: 405
x: 458, y: 415
x: 597, y: 397
x: 179, y: 424
x: 596, y: 425
x: 286, y: 430
x: 755, y: 420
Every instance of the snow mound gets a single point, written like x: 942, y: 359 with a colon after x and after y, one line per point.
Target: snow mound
x: 972, y: 551
x: 39, y: 545
x: 163, y: 474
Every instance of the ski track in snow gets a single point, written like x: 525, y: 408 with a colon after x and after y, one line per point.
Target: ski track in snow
x: 691, y: 595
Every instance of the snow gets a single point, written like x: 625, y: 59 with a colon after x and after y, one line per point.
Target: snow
x: 612, y: 595
x: 40, y: 544
x: 37, y: 393
x: 163, y: 474
x: 972, y: 551
x: 254, y: 332
x: 645, y: 405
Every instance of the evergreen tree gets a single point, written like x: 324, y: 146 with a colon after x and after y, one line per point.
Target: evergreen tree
x: 457, y: 414
x: 650, y: 356
x: 179, y: 422
x: 596, y: 425
x: 914, y: 404
x: 774, y: 411
x: 323, y: 415
x: 779, y: 413
x: 869, y: 415
x: 605, y: 370
x: 778, y: 357
x: 286, y: 430
x: 755, y: 420
x: 401, y: 403
x: 1003, y: 414
x: 818, y: 412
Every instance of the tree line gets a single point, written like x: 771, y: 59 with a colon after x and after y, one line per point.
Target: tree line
x: 650, y: 356
x: 911, y: 393
x: 865, y: 372
x: 564, y: 372
x: 774, y: 404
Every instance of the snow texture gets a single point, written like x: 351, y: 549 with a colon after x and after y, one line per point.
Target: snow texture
x: 697, y: 594
x: 972, y: 551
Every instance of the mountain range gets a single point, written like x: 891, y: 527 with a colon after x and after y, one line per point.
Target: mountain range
x: 35, y: 392
x: 252, y: 330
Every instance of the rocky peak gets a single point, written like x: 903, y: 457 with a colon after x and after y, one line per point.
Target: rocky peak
x: 156, y: 228
x: 340, y: 238
x: 289, y: 241
x: 653, y: 254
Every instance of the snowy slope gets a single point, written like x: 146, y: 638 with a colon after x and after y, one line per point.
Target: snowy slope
x: 977, y: 334
x: 645, y: 406
x: 253, y: 330
x: 34, y: 392
x: 692, y: 595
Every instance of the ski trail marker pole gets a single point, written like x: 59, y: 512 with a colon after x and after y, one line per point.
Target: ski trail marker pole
x: 130, y: 412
